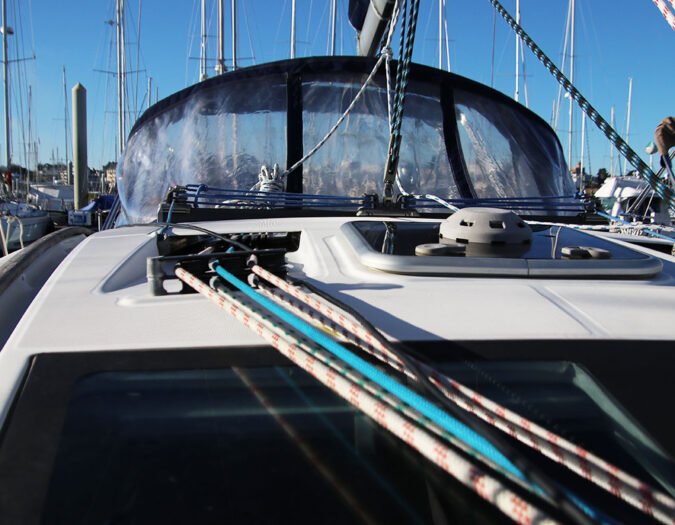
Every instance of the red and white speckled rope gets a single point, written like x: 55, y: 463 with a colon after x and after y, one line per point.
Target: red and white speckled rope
x: 334, y: 314
x: 483, y: 484
x: 319, y: 320
x: 295, y: 307
x: 575, y: 458
x: 642, y: 499
x: 666, y: 12
x: 584, y: 463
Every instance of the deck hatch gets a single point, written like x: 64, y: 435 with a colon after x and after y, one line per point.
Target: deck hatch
x: 545, y: 256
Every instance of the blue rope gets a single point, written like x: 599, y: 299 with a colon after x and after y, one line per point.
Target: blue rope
x: 419, y: 403
x: 168, y: 218
x: 200, y: 188
x: 591, y: 512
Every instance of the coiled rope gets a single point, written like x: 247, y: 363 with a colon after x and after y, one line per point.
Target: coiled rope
x: 644, y: 171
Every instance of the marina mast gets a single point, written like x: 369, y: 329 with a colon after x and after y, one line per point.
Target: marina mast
x: 630, y: 97
x: 202, y: 55
x: 121, y: 77
x: 6, y: 30
x: 517, y: 92
x: 220, y: 37
x: 293, y: 29
x: 611, y: 146
x: 571, y: 113
x: 65, y: 123
x: 333, y: 15
x: 30, y: 142
x: 440, y: 34
x: 234, y: 34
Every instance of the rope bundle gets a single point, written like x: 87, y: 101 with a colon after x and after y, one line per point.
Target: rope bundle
x: 306, y: 357
x: 407, y: 40
x: 577, y: 459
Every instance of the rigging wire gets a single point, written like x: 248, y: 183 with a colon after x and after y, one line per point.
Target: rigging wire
x: 248, y: 31
x: 525, y: 86
x: 20, y: 83
x: 558, y: 99
x: 318, y: 25
x: 643, y: 170
x: 138, y: 56
x: 494, y: 38
x: 191, y: 39
x: 308, y: 43
x: 281, y: 20
x: 339, y: 121
x: 110, y: 86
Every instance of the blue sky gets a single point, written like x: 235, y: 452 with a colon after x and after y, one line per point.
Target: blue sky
x: 615, y: 40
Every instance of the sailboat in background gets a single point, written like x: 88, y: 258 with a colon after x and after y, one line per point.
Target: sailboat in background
x: 630, y: 202
x: 20, y: 223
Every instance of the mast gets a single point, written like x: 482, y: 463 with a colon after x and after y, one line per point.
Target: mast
x: 293, y: 29
x: 611, y: 145
x: 149, y: 91
x: 234, y: 34
x: 630, y: 96
x: 121, y: 80
x: 581, y: 163
x: 447, y: 38
x: 202, y: 55
x: 571, y: 114
x: 333, y: 16
x: 65, y: 123
x: 220, y: 37
x: 30, y: 141
x: 440, y: 34
x: 517, y: 93
x: 5, y: 64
